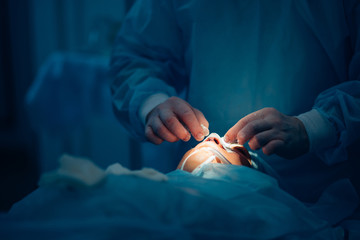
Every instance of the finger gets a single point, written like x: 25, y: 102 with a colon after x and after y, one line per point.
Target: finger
x: 251, y: 129
x: 231, y: 134
x: 161, y: 131
x: 201, y: 118
x: 151, y: 136
x: 273, y: 146
x: 188, y: 118
x: 263, y: 138
x: 172, y: 123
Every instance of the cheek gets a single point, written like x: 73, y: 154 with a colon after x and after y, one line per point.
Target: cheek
x: 194, y: 160
x: 234, y: 158
x: 237, y: 159
x: 242, y: 160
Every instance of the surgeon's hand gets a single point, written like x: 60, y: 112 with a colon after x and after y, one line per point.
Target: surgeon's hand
x: 171, y: 120
x: 271, y: 131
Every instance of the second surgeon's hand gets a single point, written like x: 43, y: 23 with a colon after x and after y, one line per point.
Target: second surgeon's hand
x: 271, y: 131
x: 170, y: 120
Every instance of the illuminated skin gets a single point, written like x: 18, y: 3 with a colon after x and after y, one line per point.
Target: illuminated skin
x: 266, y: 129
x: 173, y: 120
x: 214, y: 150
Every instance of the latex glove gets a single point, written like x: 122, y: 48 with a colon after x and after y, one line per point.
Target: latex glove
x: 173, y: 120
x: 271, y: 131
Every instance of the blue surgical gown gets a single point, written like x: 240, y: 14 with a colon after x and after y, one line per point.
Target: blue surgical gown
x: 230, y: 58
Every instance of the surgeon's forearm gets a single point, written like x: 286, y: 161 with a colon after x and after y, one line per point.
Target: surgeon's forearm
x: 150, y: 103
x: 321, y: 132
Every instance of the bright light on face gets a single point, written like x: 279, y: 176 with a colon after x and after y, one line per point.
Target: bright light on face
x: 214, y: 149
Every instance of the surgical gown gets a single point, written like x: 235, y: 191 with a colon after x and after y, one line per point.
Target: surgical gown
x: 230, y: 58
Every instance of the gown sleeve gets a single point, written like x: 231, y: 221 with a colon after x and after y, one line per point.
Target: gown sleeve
x: 340, y: 105
x: 147, y: 59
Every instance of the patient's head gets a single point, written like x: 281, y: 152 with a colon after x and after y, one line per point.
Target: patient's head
x: 214, y: 150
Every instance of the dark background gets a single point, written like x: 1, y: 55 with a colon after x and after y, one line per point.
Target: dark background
x: 30, y: 30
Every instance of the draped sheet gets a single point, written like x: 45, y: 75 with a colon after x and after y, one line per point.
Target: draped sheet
x: 225, y: 202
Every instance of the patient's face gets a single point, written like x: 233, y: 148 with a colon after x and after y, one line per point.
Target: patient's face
x: 214, y: 150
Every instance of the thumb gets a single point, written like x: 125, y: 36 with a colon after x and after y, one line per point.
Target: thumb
x: 203, y: 122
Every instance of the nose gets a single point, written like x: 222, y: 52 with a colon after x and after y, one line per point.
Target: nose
x: 214, y: 138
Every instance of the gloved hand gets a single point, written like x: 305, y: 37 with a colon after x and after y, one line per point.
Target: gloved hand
x: 171, y: 120
x: 271, y: 131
